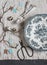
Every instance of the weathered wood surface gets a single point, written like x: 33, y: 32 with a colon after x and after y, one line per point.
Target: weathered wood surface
x: 41, y: 8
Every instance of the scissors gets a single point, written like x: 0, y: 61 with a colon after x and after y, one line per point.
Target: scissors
x: 21, y: 49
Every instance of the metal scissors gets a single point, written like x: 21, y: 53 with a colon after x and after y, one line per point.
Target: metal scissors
x: 22, y: 46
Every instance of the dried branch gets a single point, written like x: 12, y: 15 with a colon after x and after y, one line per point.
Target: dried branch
x: 26, y: 11
x: 4, y: 6
x: 23, y: 12
x: 10, y: 8
x: 25, y: 7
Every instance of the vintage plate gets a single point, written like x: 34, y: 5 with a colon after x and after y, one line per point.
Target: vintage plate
x: 35, y: 32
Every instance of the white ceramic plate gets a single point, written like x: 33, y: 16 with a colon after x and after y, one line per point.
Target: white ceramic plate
x: 35, y: 32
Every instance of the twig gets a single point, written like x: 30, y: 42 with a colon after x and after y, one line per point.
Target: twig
x: 26, y: 11
x: 4, y: 6
x: 10, y: 8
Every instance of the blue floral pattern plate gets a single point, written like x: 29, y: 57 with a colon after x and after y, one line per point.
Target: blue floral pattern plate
x: 35, y: 32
